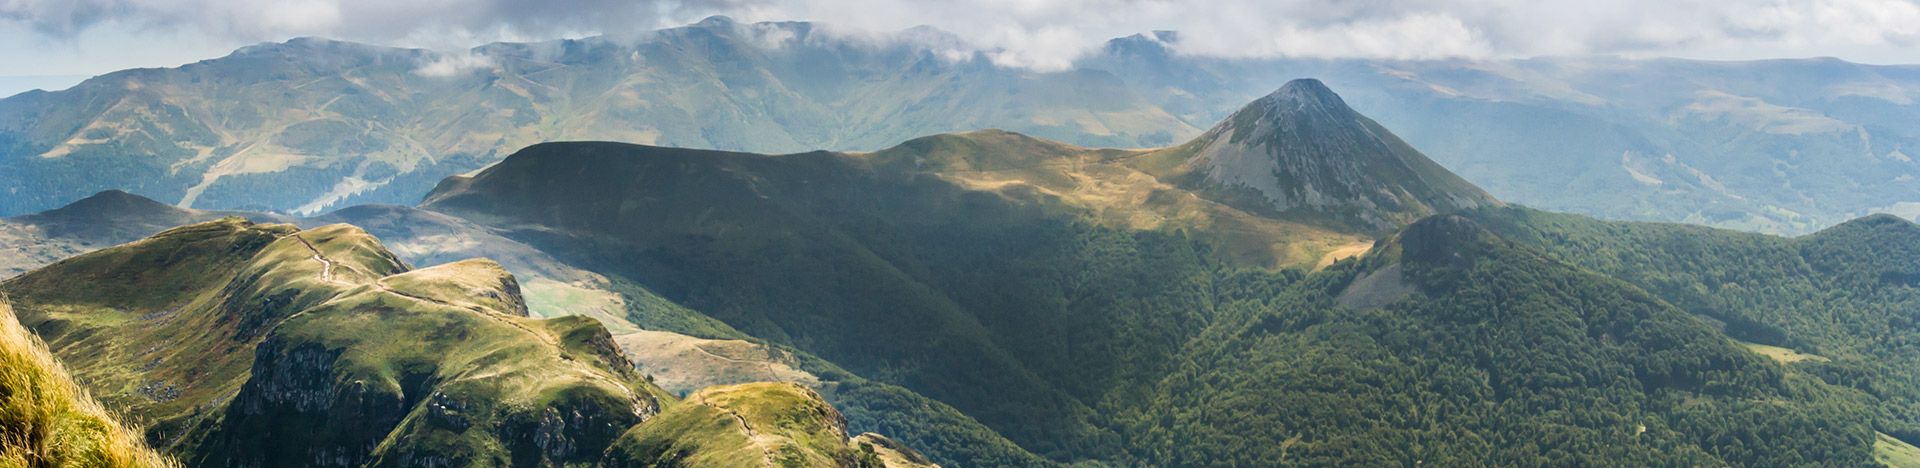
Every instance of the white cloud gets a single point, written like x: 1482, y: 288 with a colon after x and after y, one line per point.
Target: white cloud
x: 452, y: 64
x: 1049, y: 34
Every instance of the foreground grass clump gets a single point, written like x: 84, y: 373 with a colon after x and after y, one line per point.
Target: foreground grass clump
x: 47, y: 421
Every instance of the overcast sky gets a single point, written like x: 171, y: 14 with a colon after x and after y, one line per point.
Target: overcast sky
x: 87, y: 37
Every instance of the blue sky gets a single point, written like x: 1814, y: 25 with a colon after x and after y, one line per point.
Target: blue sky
x: 55, y: 41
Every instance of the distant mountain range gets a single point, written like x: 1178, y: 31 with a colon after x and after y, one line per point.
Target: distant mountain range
x: 310, y: 125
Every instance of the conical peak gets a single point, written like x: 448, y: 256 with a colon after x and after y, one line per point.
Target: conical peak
x: 1304, y: 151
x: 1304, y: 92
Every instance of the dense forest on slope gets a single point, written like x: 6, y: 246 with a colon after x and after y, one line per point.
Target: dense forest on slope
x: 1846, y: 299
x: 1450, y: 346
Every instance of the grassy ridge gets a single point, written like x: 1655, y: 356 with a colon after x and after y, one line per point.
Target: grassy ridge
x: 320, y: 347
x: 268, y: 345
x: 769, y: 424
x: 48, y: 421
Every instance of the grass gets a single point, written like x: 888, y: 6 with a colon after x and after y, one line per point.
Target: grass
x: 1894, y: 452
x: 170, y: 328
x: 1121, y: 189
x: 48, y: 421
x: 755, y: 424
x: 1783, y: 355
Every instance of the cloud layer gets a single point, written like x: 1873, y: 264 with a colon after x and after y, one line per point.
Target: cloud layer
x: 1050, y: 33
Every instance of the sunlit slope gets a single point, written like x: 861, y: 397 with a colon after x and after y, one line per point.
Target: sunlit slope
x: 762, y: 424
x: 1110, y: 188
x: 255, y: 345
x: 265, y: 344
x: 47, y: 420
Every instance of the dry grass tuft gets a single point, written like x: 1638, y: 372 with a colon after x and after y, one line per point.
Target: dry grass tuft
x: 48, y: 421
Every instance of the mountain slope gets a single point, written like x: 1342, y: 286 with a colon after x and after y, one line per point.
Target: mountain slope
x: 1109, y: 185
x: 253, y: 345
x: 755, y: 424
x: 975, y: 269
x: 1446, y: 344
x: 225, y: 334
x: 680, y: 349
x: 312, y: 124
x: 102, y: 220
x: 1705, y: 142
x: 1844, y: 295
x: 1472, y: 350
x: 50, y: 420
x: 1301, y: 152
x: 712, y: 222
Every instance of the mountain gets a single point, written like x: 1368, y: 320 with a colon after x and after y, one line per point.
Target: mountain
x: 981, y: 270
x: 50, y: 420
x: 245, y: 344
x: 698, y: 352
x: 102, y: 220
x: 1779, y: 146
x: 1451, y: 345
x: 1835, y: 304
x: 1301, y: 152
x: 312, y: 124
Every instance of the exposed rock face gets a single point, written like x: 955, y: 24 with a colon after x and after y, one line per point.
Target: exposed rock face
x: 1302, y: 151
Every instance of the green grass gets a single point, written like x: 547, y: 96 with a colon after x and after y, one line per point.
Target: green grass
x: 1894, y: 452
x: 48, y: 421
x: 434, y: 364
x: 1783, y: 355
x: 779, y: 424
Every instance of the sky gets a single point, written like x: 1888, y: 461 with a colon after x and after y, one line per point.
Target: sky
x: 62, y: 41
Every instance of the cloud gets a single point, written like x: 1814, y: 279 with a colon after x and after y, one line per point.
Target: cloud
x: 452, y: 64
x: 1050, y: 34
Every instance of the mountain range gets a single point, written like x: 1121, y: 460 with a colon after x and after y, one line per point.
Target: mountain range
x: 1294, y: 285
x: 310, y: 125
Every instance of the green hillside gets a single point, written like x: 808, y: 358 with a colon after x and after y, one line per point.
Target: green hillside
x: 46, y: 420
x: 763, y: 424
x: 973, y: 270
x: 1450, y: 346
x: 245, y: 344
x: 1847, y: 293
